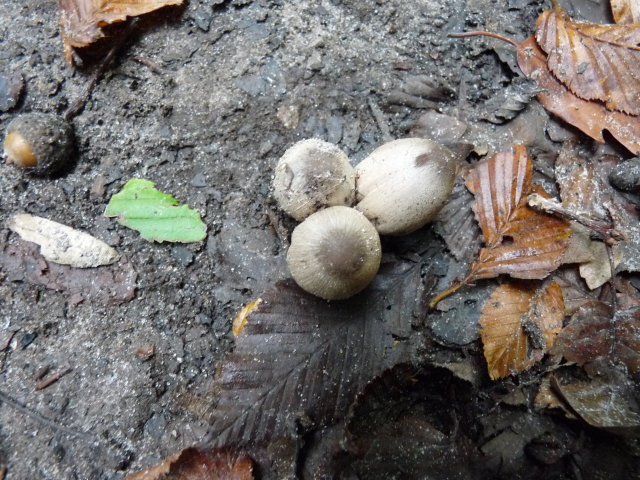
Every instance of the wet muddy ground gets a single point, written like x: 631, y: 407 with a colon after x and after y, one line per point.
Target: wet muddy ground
x: 203, y: 101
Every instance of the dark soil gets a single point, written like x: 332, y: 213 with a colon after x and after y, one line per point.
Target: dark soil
x: 203, y: 101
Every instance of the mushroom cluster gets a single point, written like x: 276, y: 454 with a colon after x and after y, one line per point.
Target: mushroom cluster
x: 400, y: 187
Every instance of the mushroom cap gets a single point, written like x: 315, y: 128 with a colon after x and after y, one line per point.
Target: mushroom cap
x: 313, y: 174
x: 41, y: 143
x: 335, y: 253
x: 403, y: 184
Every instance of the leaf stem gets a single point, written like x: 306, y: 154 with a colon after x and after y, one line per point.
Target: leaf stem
x: 455, y: 286
x: 477, y: 33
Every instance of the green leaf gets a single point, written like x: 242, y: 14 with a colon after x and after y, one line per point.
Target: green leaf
x: 156, y: 215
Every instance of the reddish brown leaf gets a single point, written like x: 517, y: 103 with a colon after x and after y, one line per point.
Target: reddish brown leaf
x: 195, y: 464
x: 590, y: 117
x: 596, y: 62
x: 113, y: 284
x: 518, y: 240
x: 595, y: 333
x: 519, y: 325
x: 625, y: 11
x: 81, y: 20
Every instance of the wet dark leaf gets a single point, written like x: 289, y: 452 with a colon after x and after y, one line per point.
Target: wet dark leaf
x: 300, y: 359
x: 595, y: 333
x: 112, y: 284
x: 608, y: 400
x: 402, y: 425
x: 456, y: 224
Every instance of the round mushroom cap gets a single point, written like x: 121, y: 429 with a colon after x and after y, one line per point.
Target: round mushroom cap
x: 402, y: 185
x: 335, y: 253
x: 311, y: 175
x: 41, y: 143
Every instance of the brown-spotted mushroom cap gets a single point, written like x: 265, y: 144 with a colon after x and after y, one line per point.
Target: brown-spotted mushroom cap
x: 403, y: 184
x: 311, y: 175
x: 335, y: 253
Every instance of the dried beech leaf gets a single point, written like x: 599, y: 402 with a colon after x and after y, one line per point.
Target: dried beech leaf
x: 596, y: 62
x: 457, y: 226
x: 590, y: 117
x: 595, y: 333
x: 62, y: 244
x: 519, y: 325
x: 113, y: 284
x: 299, y: 355
x: 625, y: 11
x: 196, y: 464
x: 518, y: 240
x: 81, y: 21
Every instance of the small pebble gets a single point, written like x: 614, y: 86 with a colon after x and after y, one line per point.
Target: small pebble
x: 11, y: 86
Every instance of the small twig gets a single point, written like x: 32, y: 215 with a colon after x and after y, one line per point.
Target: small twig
x: 41, y: 418
x: 484, y: 34
x: 147, y: 62
x: 82, y: 100
x: 53, y: 378
x: 600, y: 230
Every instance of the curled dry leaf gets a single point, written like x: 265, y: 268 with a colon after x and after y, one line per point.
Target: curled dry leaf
x: 519, y: 325
x: 62, y: 244
x: 518, y: 240
x: 625, y: 11
x: 197, y: 464
x: 590, y: 117
x: 596, y: 62
x: 81, y: 21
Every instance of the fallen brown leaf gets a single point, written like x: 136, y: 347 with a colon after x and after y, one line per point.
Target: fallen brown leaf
x: 197, y: 464
x: 81, y: 21
x: 596, y: 62
x: 519, y: 325
x: 518, y: 240
x: 594, y: 333
x: 590, y: 117
x: 625, y: 11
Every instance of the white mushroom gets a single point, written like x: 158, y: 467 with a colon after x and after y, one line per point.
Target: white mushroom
x: 311, y: 175
x: 335, y: 253
x: 403, y: 184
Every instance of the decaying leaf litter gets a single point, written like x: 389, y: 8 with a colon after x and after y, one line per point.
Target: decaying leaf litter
x: 196, y: 148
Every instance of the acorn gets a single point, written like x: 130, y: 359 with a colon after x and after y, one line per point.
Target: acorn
x: 335, y: 253
x: 40, y: 143
x: 311, y: 175
x: 403, y: 184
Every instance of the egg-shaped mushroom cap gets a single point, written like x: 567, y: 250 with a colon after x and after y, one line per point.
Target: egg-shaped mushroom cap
x: 403, y: 184
x: 311, y: 175
x: 335, y: 253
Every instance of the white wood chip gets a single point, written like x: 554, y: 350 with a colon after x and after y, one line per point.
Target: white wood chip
x: 62, y: 244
